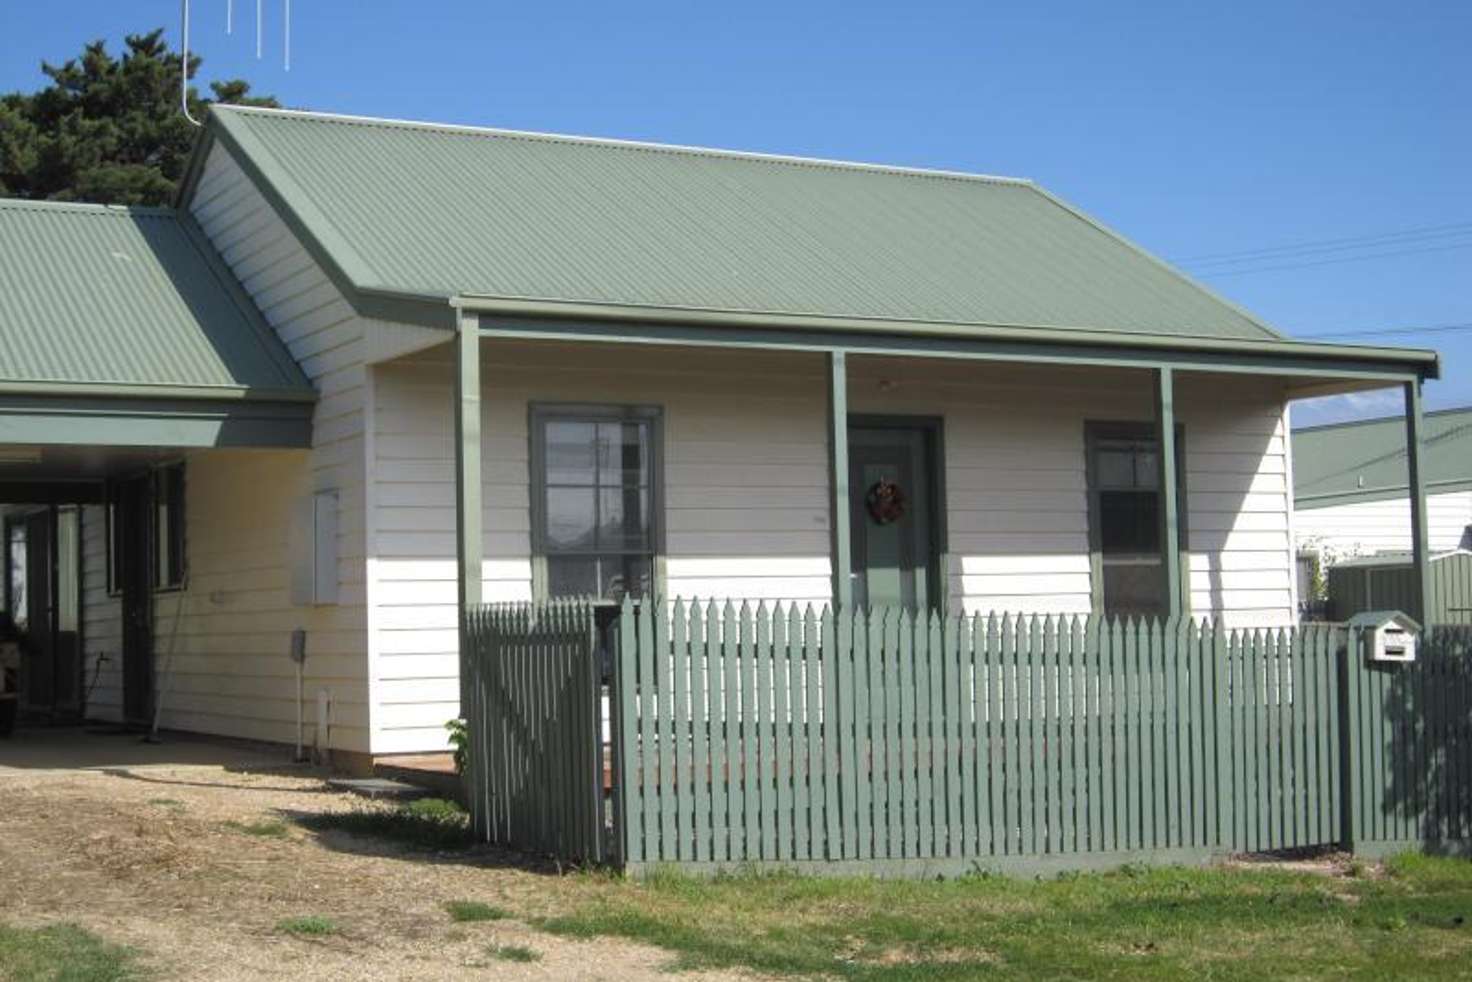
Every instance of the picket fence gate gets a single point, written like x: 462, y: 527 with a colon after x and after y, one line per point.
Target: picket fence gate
x: 709, y: 736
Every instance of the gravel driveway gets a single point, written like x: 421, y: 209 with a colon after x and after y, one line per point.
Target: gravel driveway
x: 148, y: 846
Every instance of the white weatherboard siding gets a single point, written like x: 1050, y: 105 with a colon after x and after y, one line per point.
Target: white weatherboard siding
x: 746, y: 508
x: 1016, y: 479
x: 102, y: 624
x: 1363, y: 527
x: 746, y: 487
x: 326, y: 337
x: 222, y: 644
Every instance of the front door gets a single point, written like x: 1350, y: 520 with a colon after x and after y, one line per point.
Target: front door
x: 132, y: 512
x: 895, y: 537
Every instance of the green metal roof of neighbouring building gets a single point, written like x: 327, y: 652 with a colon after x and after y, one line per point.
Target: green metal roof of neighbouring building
x: 1366, y: 460
x: 437, y: 211
x: 107, y: 299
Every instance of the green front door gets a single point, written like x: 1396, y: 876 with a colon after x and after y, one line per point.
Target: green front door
x: 894, y: 531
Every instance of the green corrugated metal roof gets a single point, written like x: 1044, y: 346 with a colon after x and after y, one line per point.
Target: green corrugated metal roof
x: 438, y: 210
x: 113, y: 298
x: 1366, y: 460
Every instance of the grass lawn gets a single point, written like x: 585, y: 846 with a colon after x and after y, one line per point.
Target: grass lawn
x: 1415, y: 921
x: 429, y: 823
x: 61, y: 951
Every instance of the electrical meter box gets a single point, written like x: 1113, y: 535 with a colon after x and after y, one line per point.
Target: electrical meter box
x: 1388, y: 635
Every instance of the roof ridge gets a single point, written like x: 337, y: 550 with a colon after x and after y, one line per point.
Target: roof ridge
x: 651, y: 146
x: 85, y: 207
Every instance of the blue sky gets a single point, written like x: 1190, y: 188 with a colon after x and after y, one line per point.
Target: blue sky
x: 1196, y: 130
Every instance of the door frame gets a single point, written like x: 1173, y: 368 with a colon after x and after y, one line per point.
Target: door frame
x: 48, y: 516
x: 933, y: 429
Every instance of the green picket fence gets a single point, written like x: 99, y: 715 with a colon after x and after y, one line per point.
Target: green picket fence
x: 1408, y: 748
x: 882, y: 742
x: 798, y: 737
x: 535, y: 775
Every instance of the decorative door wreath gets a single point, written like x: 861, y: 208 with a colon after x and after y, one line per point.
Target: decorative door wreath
x: 885, y: 501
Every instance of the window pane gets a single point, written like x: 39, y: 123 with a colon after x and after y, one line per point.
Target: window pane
x: 1129, y: 522
x: 17, y: 601
x: 1116, y: 468
x: 632, y: 575
x: 68, y: 575
x: 1134, y: 589
x: 623, y: 515
x: 571, y: 457
x: 1147, y: 468
x: 571, y: 519
x: 572, y: 576
x: 622, y: 453
x: 163, y: 529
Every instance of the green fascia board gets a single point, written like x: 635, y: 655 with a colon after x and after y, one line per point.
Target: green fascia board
x: 1290, y: 360
x: 157, y: 421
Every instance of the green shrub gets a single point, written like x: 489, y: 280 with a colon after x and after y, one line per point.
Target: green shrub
x: 460, y: 743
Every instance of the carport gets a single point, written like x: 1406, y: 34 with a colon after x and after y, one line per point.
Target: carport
x: 126, y: 347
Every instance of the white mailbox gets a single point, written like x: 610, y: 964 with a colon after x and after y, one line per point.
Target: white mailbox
x: 1388, y: 635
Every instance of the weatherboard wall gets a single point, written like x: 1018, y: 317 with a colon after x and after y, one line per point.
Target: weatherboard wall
x: 327, y: 338
x: 1364, y: 527
x: 746, y: 485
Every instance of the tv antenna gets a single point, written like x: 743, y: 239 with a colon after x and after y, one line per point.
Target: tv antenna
x: 230, y: 29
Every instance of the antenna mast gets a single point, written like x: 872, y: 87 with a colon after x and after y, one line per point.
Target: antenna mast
x: 229, y: 29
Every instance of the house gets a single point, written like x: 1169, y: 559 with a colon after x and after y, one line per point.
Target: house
x: 1351, y: 488
x: 367, y: 373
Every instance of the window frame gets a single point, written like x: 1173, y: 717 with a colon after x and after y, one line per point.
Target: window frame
x: 111, y: 584
x: 1099, y: 430
x: 177, y: 566
x: 541, y: 413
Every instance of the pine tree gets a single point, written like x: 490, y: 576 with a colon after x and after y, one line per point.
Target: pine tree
x: 106, y: 129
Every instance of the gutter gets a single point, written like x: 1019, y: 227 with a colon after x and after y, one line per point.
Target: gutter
x: 1424, y: 362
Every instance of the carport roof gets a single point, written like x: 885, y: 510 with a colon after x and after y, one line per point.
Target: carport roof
x: 103, y: 300
x: 121, y: 327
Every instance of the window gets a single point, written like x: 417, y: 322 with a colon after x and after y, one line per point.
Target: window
x: 16, y: 599
x: 1124, y: 517
x: 168, y: 527
x: 114, y: 541
x: 595, y: 500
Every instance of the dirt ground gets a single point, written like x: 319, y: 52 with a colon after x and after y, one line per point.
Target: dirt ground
x: 134, y: 844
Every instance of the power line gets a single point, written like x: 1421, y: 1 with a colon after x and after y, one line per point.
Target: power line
x: 1334, y: 244
x: 1389, y: 331
x: 1213, y: 274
